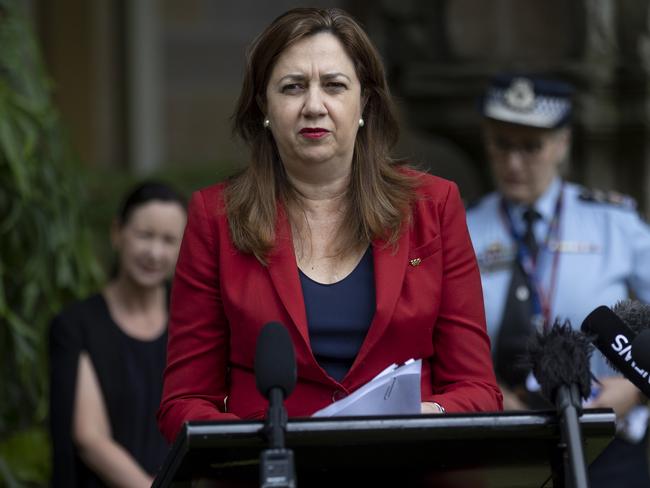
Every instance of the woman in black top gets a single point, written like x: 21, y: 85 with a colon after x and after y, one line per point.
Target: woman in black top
x: 107, y: 354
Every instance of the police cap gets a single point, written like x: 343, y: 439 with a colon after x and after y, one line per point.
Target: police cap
x: 528, y: 100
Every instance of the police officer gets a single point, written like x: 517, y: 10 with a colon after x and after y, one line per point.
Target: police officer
x: 552, y: 249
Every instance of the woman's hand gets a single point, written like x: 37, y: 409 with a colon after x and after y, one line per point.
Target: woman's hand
x: 431, y: 407
x: 511, y: 400
x: 617, y: 393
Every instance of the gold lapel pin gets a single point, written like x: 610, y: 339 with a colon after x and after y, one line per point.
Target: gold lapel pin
x: 415, y: 262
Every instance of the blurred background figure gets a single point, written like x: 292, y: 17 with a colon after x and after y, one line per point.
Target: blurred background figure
x: 107, y: 353
x: 365, y: 261
x: 548, y: 248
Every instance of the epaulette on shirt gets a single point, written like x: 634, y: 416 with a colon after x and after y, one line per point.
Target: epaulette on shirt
x: 608, y: 197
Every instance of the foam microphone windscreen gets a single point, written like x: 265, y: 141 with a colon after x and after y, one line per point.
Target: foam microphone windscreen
x: 560, y: 356
x: 275, y: 360
x: 635, y: 314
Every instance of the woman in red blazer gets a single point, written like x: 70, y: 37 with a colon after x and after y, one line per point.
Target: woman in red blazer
x: 321, y: 207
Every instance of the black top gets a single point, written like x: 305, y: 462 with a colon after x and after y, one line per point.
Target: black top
x: 339, y: 315
x: 129, y: 372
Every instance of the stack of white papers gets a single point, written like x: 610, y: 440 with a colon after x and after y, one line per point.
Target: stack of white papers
x: 394, y: 391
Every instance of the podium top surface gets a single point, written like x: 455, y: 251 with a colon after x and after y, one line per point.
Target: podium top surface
x: 477, y: 450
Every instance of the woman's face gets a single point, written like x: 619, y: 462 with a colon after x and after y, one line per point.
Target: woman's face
x: 313, y: 103
x: 148, y: 242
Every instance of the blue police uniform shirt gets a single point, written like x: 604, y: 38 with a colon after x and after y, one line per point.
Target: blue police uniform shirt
x: 604, y: 254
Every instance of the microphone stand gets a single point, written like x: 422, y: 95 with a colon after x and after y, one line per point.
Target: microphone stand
x: 567, y: 402
x: 276, y: 463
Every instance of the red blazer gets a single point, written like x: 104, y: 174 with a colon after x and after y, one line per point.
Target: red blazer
x: 430, y: 309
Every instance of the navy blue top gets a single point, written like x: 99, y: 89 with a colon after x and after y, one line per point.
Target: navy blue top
x: 339, y: 315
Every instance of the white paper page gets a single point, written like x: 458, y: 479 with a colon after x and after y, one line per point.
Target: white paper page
x: 394, y: 391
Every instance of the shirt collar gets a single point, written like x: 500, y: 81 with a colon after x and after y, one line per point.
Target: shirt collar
x: 545, y: 204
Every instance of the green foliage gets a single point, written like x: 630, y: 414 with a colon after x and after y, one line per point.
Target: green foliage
x: 46, y: 258
x: 27, y: 454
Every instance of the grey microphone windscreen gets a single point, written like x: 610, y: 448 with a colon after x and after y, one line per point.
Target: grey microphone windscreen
x: 635, y: 314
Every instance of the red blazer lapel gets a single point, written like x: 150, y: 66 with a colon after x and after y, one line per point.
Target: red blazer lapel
x: 283, y: 270
x: 389, y: 268
x: 284, y: 275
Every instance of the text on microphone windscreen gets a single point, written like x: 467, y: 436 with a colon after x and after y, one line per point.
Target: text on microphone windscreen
x: 615, y: 340
x: 641, y: 350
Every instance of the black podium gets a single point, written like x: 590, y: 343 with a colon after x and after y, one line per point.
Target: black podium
x: 448, y: 451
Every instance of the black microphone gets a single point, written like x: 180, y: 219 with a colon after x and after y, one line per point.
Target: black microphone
x: 275, y: 362
x: 275, y: 376
x: 559, y: 358
x: 641, y: 353
x: 626, y: 351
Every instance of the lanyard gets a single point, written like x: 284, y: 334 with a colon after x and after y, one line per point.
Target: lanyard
x: 541, y: 297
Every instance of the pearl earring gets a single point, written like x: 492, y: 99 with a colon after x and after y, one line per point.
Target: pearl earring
x: 361, y: 123
x: 267, y: 123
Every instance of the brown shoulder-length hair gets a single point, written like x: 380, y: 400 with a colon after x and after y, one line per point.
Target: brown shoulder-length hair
x: 379, y: 195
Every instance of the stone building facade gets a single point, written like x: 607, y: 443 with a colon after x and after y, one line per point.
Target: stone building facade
x: 151, y: 83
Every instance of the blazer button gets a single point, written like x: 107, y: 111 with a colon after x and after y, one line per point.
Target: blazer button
x: 338, y: 395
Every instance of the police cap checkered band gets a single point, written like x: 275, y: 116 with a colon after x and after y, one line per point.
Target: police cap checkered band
x: 528, y: 100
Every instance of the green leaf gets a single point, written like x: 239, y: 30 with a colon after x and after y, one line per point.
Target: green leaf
x: 28, y: 453
x: 10, y: 144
